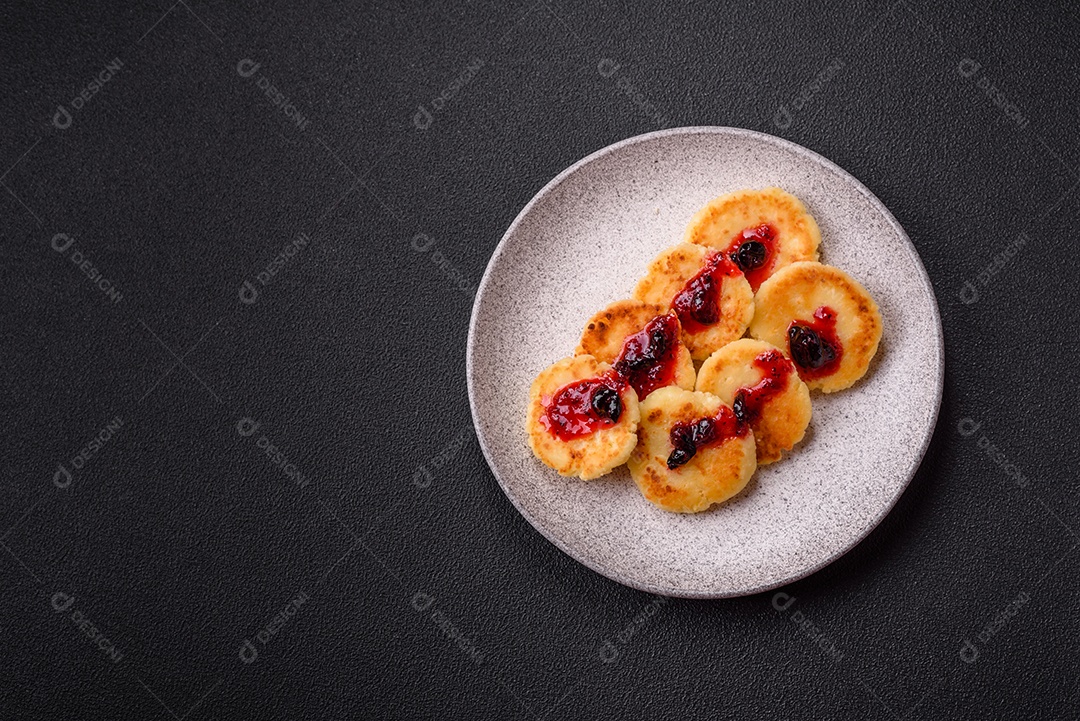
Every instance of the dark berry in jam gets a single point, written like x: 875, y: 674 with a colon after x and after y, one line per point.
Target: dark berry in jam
x: 687, y: 437
x: 775, y: 371
x: 662, y: 336
x: 606, y: 403
x: 680, y: 456
x: 583, y: 407
x: 698, y: 303
x: 739, y: 406
x: 648, y: 358
x: 807, y: 348
x: 814, y: 345
x: 750, y: 255
x: 753, y: 251
x: 705, y: 301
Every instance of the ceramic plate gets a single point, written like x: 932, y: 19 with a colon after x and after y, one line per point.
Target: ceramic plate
x: 583, y: 242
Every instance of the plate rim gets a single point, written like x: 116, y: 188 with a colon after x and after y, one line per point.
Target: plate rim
x: 829, y: 165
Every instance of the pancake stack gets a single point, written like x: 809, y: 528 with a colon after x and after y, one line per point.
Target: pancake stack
x: 693, y: 436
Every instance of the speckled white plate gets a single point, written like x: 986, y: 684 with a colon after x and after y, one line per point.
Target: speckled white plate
x: 583, y: 242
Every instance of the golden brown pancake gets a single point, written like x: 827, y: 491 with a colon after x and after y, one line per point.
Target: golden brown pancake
x: 794, y: 232
x: 606, y: 332
x: 586, y: 456
x: 713, y: 475
x: 794, y: 295
x: 781, y: 412
x: 667, y: 275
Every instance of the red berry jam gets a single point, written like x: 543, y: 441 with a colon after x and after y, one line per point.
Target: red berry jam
x: 776, y: 369
x: 583, y: 407
x: 688, y: 436
x: 698, y: 303
x: 814, y: 345
x: 754, y: 252
x: 648, y: 358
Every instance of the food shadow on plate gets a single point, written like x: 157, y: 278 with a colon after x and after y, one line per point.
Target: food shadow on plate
x: 746, y: 492
x: 871, y: 368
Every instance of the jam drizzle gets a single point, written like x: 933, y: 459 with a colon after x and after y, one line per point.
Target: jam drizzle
x: 753, y: 251
x: 814, y: 345
x: 698, y: 303
x: 648, y: 358
x: 583, y: 407
x: 749, y: 401
x: 687, y: 437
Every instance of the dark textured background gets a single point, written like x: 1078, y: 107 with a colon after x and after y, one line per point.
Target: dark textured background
x: 179, y: 539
